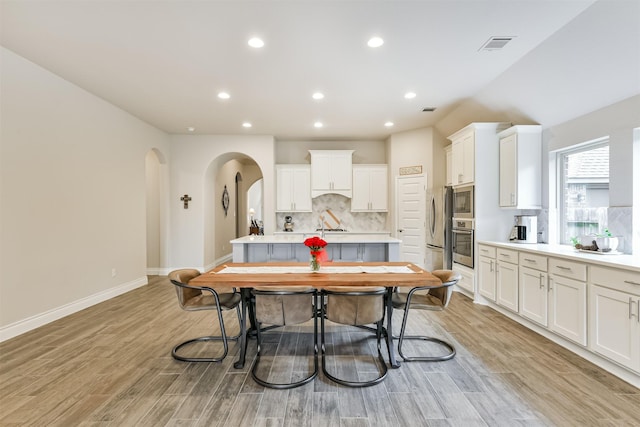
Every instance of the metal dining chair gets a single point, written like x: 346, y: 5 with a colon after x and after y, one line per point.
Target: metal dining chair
x: 291, y: 305
x: 354, y: 306
x: 196, y: 298
x: 426, y: 298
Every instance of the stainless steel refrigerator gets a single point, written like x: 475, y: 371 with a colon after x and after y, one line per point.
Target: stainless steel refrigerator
x: 439, y: 236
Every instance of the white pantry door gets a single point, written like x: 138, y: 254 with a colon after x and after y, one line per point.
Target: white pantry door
x: 411, y: 216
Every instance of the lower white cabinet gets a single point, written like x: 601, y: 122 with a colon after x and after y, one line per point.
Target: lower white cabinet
x: 507, y: 279
x: 568, y: 308
x: 487, y: 277
x: 466, y: 282
x: 614, y: 315
x: 533, y: 295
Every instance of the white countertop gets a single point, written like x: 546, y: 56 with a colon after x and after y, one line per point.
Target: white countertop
x: 630, y: 262
x: 334, y: 237
x: 331, y: 233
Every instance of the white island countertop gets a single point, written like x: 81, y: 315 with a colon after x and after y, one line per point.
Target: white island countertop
x: 328, y: 237
x: 631, y: 262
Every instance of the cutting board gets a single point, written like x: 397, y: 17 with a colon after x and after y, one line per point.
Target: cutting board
x: 330, y: 220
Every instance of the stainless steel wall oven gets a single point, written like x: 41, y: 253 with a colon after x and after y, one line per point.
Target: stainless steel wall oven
x: 463, y: 241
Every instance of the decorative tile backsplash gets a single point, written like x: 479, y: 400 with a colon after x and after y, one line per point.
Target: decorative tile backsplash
x: 341, y: 207
x: 619, y: 223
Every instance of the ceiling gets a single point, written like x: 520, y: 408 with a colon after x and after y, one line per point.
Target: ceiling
x: 166, y: 61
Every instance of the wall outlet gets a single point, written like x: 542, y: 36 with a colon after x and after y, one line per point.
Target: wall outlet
x: 113, y: 272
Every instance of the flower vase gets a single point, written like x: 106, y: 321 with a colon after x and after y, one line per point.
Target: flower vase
x: 314, y: 264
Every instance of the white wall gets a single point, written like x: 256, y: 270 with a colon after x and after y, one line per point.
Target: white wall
x: 72, y: 197
x: 297, y: 152
x: 191, y: 156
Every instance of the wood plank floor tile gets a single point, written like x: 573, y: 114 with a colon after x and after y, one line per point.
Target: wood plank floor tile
x: 111, y: 365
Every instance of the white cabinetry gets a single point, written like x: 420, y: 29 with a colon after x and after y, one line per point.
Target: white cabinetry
x: 532, y: 283
x: 521, y: 167
x: 293, y: 188
x: 463, y: 157
x: 568, y: 299
x: 487, y: 272
x: 331, y: 172
x: 507, y: 278
x: 370, y: 183
x: 614, y: 315
x: 449, y: 165
x: 466, y: 282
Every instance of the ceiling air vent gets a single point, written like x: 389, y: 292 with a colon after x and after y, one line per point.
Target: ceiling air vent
x: 495, y: 43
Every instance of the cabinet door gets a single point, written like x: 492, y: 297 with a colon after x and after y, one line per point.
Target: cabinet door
x: 457, y: 158
x: 341, y: 171
x: 321, y: 171
x: 507, y: 284
x: 284, y: 195
x: 374, y: 252
x: 280, y: 252
x: 361, y: 189
x: 258, y: 252
x: 614, y: 331
x: 533, y: 295
x: 487, y: 278
x: 378, y: 189
x: 449, y: 165
x: 568, y: 308
x: 301, y: 189
x: 349, y: 252
x: 469, y: 163
x: 508, y: 171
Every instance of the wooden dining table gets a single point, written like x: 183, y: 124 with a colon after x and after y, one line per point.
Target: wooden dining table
x: 245, y: 276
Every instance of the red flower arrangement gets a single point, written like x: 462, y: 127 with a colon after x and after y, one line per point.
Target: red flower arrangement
x: 316, y: 247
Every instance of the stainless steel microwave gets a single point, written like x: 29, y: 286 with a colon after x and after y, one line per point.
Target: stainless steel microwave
x: 463, y: 202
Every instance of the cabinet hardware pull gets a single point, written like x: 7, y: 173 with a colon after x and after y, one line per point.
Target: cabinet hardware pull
x: 484, y: 250
x: 631, y: 301
x: 631, y: 282
x: 530, y: 260
x: 561, y: 267
x: 638, y: 316
x: 550, y: 285
x: 541, y: 281
x: 490, y: 266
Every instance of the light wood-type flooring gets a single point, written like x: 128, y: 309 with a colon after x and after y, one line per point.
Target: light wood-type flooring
x: 111, y: 365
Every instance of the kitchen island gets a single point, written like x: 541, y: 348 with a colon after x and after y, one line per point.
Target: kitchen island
x: 351, y: 247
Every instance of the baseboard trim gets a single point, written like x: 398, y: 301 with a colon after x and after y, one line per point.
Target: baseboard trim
x: 22, y: 326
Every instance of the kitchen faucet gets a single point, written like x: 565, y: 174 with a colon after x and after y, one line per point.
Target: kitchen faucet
x: 321, y: 219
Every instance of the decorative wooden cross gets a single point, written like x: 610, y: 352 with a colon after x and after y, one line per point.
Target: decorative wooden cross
x: 186, y: 199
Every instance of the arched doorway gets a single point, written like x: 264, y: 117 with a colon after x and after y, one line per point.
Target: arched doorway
x: 237, y: 172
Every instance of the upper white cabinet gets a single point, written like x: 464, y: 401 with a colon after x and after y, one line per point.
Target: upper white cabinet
x: 331, y: 172
x: 293, y: 188
x: 521, y: 167
x: 449, y: 164
x: 370, y: 184
x: 463, y: 157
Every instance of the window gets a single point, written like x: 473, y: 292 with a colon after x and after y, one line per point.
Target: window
x: 584, y: 190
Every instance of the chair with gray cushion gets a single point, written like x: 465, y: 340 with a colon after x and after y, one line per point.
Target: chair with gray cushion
x: 290, y: 305
x: 426, y: 298
x: 196, y: 298
x: 354, y: 306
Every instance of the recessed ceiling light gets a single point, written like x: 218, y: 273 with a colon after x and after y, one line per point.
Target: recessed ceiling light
x: 256, y: 42
x: 318, y: 125
x: 318, y: 95
x: 191, y: 129
x: 246, y: 125
x: 224, y: 95
x: 388, y: 124
x: 375, y: 42
x: 409, y: 95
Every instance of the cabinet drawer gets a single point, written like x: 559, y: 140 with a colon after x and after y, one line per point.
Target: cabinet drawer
x: 622, y: 280
x: 570, y: 269
x: 488, y: 251
x: 507, y: 255
x: 536, y: 262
